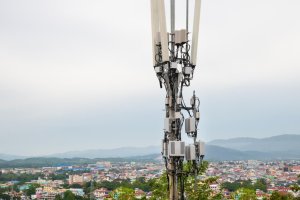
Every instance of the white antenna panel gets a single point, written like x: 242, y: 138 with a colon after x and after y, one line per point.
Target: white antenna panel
x: 195, y: 31
x: 155, y: 27
x: 163, y: 30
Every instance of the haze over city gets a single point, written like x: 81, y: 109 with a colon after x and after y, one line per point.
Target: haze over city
x: 76, y: 76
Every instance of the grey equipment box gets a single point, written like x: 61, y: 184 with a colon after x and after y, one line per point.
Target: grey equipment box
x: 190, y: 125
x: 176, y: 149
x: 190, y: 152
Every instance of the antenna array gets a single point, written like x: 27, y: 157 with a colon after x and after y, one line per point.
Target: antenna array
x: 174, y: 61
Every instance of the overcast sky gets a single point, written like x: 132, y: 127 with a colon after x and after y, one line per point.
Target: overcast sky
x: 77, y: 75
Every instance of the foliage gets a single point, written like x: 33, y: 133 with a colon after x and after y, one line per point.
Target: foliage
x: 31, y: 190
x: 58, y: 197
x: 3, y: 190
x: 56, y: 176
x: 114, y: 184
x: 15, y: 188
x: 140, y: 183
x: 123, y: 193
x: 244, y: 194
x: 88, y: 187
x: 75, y: 185
x: 5, y: 177
x: 194, y: 189
x: 201, y: 190
x: 48, y: 162
x: 295, y: 188
x: 4, y: 196
x: 277, y: 196
x: 159, y: 188
x: 68, y: 195
x: 260, y: 184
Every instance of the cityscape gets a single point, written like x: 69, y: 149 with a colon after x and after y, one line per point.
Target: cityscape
x: 108, y: 179
x: 149, y: 100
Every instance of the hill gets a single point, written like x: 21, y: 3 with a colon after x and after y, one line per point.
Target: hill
x: 281, y: 147
x: 10, y: 157
x: 55, y: 162
x: 280, y: 144
x: 109, y: 153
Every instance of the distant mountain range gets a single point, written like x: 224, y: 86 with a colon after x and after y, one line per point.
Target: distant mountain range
x: 10, y: 157
x: 280, y: 143
x: 55, y: 162
x: 277, y: 147
x: 109, y: 153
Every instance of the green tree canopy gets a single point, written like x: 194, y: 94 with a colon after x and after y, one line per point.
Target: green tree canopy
x: 31, y: 190
x: 123, y: 193
x: 277, y: 196
x: 194, y: 189
x: 244, y: 194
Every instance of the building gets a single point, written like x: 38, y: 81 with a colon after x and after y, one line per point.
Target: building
x: 101, y: 193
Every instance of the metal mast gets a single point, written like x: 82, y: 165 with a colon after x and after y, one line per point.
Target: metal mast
x: 174, y: 61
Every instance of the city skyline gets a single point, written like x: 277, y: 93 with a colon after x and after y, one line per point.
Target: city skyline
x: 76, y: 76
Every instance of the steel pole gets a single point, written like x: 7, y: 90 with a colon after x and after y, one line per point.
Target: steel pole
x: 173, y: 195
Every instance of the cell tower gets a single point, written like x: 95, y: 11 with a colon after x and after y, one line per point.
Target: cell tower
x: 174, y: 61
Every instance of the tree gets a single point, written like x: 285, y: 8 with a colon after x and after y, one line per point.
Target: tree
x: 194, y: 189
x: 4, y: 196
x: 75, y: 185
x: 58, y: 197
x: 244, y: 194
x: 20, y: 177
x: 143, y: 198
x: 277, y: 196
x: 261, y: 184
x: 142, y: 184
x: 123, y: 193
x: 68, y: 195
x: 159, y: 188
x: 58, y: 176
x: 31, y: 190
x: 295, y: 188
x: 232, y: 187
x: 201, y: 190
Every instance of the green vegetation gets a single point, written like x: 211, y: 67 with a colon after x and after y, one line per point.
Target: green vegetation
x: 244, y: 194
x: 277, y: 196
x: 58, y: 176
x: 31, y: 190
x: 53, y: 162
x: 195, y: 189
x: 232, y: 187
x: 124, y: 189
x: 19, y: 177
x: 295, y: 188
x: 68, y: 195
x: 123, y: 193
x: 159, y: 188
x: 140, y: 183
x: 4, y: 196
